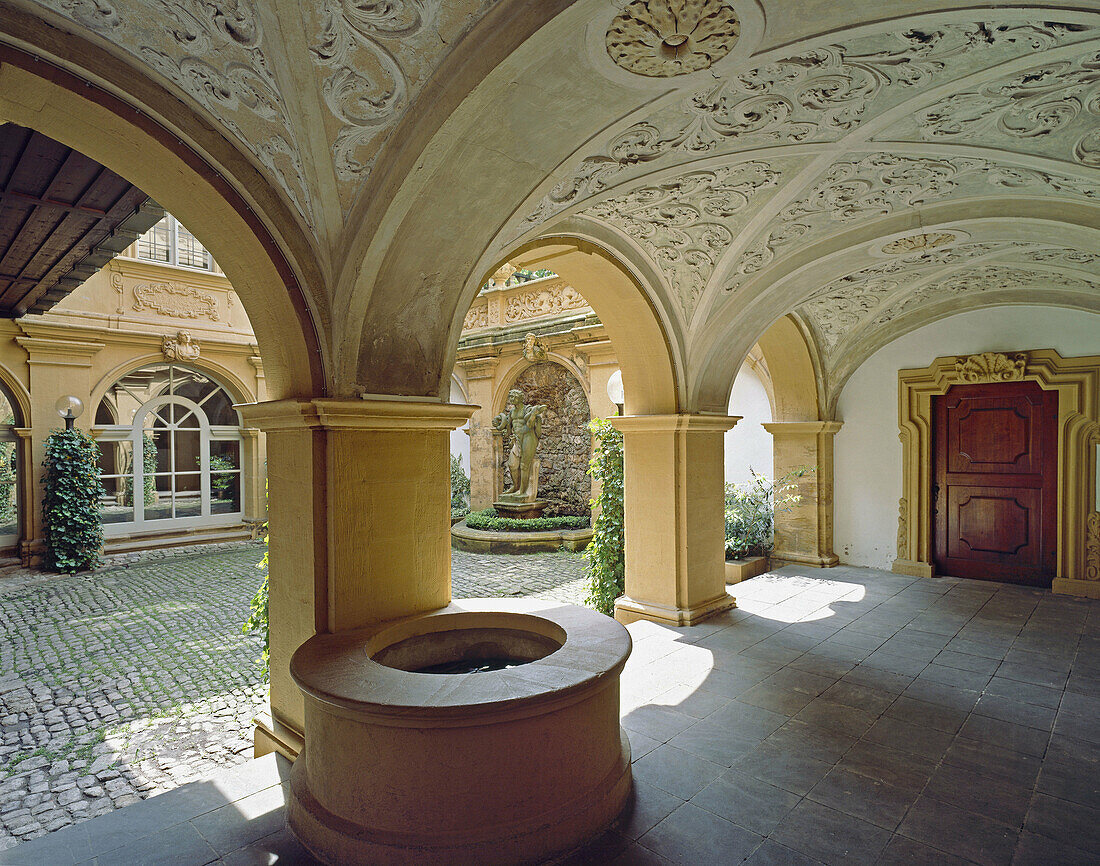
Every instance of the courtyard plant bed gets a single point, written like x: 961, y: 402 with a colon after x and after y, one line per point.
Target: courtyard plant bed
x: 750, y: 521
x: 487, y: 532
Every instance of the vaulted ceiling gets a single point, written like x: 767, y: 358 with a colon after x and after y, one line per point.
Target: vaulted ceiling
x: 868, y: 165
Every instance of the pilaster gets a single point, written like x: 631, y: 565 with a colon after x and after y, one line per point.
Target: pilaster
x: 674, y: 518
x: 484, y: 460
x: 359, y: 521
x: 804, y: 533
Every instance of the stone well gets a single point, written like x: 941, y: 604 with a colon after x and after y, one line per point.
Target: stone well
x: 512, y: 765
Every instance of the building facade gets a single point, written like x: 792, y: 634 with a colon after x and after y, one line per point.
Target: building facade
x: 158, y: 350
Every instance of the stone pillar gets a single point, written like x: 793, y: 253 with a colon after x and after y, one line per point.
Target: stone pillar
x: 480, y: 376
x: 805, y: 533
x: 675, y: 518
x: 253, y: 498
x: 359, y: 522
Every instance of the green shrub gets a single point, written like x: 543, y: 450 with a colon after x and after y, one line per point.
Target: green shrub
x: 605, y: 553
x: 70, y: 507
x: 460, y: 485
x: 149, y: 469
x: 7, y: 482
x: 489, y: 521
x: 257, y: 619
x: 750, y: 512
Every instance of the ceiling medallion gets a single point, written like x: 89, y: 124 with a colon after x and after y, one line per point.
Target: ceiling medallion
x: 914, y: 243
x: 663, y: 38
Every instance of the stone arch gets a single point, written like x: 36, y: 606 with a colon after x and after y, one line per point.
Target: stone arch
x: 793, y: 365
x: 566, y: 444
x: 17, y: 395
x: 652, y: 376
x: 200, y: 189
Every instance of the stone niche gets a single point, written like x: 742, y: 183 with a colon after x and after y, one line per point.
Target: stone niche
x: 566, y: 444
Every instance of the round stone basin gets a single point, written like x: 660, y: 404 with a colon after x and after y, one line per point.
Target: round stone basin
x: 415, y: 753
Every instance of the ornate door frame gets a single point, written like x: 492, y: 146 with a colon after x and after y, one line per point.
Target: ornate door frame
x: 1077, y: 381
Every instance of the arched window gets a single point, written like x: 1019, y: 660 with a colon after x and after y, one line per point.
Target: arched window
x: 9, y: 472
x: 186, y: 434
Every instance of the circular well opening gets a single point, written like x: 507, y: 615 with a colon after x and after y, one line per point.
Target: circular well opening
x: 475, y: 649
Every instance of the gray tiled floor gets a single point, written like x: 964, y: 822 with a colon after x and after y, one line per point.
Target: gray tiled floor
x: 841, y: 715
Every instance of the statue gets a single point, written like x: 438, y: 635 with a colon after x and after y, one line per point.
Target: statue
x: 525, y: 423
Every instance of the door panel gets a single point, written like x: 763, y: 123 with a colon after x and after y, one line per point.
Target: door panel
x: 995, y: 473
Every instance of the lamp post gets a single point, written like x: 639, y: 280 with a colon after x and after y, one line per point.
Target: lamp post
x: 70, y: 408
x: 615, y: 390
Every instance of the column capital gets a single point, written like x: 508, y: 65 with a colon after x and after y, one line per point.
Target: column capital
x: 803, y: 427
x: 364, y: 414
x: 674, y: 423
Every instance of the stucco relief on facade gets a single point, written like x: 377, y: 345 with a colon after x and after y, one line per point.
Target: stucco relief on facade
x: 181, y: 347
x: 663, y: 38
x: 903, y: 529
x: 687, y: 222
x: 477, y: 317
x: 987, y: 367
x: 543, y: 302
x: 175, y: 300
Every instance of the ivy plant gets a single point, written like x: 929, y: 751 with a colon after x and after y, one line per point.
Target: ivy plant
x: 605, y: 553
x: 257, y: 619
x: 70, y: 508
x: 460, y: 485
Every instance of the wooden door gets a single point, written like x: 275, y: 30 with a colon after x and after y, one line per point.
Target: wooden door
x: 995, y: 482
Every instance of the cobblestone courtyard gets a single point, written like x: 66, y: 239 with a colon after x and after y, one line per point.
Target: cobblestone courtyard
x: 131, y: 680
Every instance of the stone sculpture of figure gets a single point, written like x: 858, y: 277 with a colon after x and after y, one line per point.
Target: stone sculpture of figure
x: 525, y: 423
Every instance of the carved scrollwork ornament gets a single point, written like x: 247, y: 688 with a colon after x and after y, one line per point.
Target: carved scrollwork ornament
x: 991, y: 367
x: 913, y: 243
x: 663, y: 38
x: 1092, y: 547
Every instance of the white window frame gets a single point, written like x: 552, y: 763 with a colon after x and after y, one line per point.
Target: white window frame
x: 173, y: 249
x: 134, y: 434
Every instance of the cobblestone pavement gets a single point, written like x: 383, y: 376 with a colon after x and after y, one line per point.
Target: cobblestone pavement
x: 136, y: 678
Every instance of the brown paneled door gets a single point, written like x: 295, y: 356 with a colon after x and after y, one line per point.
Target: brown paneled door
x: 995, y: 456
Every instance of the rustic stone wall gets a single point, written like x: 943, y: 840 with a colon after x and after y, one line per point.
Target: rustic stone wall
x: 565, y: 445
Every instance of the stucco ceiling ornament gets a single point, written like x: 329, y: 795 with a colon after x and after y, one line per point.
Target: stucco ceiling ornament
x: 215, y: 51
x: 1036, y: 104
x: 819, y: 94
x: 991, y: 367
x: 684, y: 223
x: 662, y: 38
x: 915, y: 243
x: 881, y: 184
x: 180, y: 347
x: 365, y: 87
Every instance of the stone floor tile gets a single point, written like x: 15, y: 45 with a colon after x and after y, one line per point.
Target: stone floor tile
x: 924, y: 714
x: 901, y: 769
x: 991, y: 796
x: 1075, y: 782
x: 988, y: 759
x: 830, y: 836
x: 280, y: 848
x: 178, y: 845
x: 774, y: 698
x: 657, y: 722
x: 789, y: 770
x: 746, y: 801
x: 244, y: 821
x: 773, y: 854
x: 1031, y: 674
x: 870, y: 700
x: 858, y: 795
x: 1067, y: 822
x: 1036, y: 850
x: 897, y: 734
x: 906, y: 852
x: 972, y: 680
x: 839, y: 717
x: 933, y: 692
x: 692, y: 835
x: 715, y: 742
x: 964, y: 834
x: 797, y: 680
x: 1017, y: 738
x: 678, y: 772
x: 647, y: 806
x: 1018, y: 712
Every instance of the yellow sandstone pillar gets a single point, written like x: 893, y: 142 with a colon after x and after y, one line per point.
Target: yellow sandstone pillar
x: 359, y: 522
x: 804, y: 534
x: 674, y: 516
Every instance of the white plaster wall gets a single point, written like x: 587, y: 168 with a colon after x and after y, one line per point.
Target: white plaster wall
x: 867, y: 449
x: 748, y: 444
x: 460, y: 439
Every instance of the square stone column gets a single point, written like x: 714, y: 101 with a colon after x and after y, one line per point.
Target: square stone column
x: 805, y: 533
x: 484, y: 446
x: 359, y: 495
x: 674, y: 504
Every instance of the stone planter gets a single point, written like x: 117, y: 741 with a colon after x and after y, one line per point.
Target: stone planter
x: 738, y: 570
x: 484, y: 541
x: 511, y: 765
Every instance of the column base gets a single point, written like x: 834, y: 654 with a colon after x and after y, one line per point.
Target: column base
x: 1074, y: 586
x: 913, y: 568
x: 817, y: 560
x: 627, y: 610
